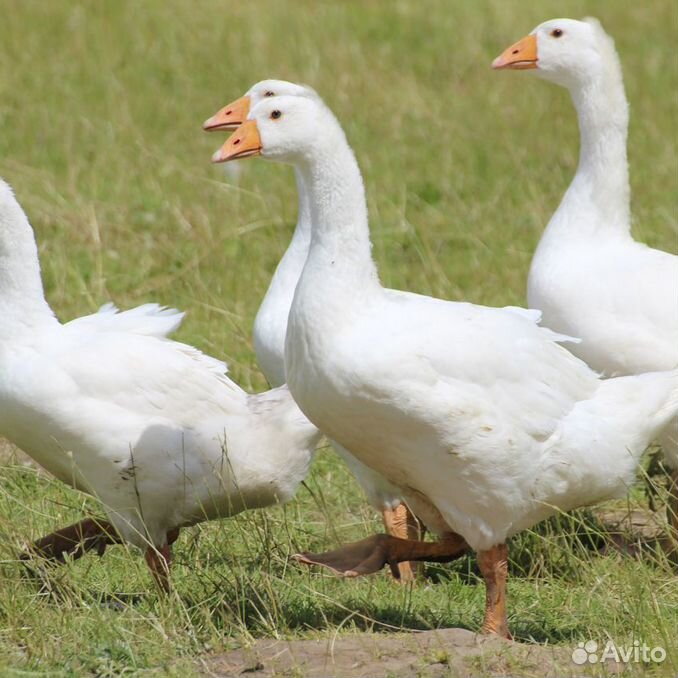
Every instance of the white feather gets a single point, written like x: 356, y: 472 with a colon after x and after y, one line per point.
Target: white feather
x: 154, y: 428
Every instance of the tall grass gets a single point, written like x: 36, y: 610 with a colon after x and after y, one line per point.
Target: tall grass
x: 100, y: 110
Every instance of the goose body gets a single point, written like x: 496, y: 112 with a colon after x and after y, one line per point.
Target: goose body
x: 270, y: 330
x: 478, y: 415
x: 588, y: 276
x: 152, y: 427
x: 270, y: 325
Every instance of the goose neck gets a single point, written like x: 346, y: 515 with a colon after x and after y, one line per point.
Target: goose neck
x: 601, y: 184
x: 302, y: 233
x: 340, y: 239
x: 22, y: 300
x: 291, y: 264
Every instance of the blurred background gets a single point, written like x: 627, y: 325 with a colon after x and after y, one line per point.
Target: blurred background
x: 101, y: 106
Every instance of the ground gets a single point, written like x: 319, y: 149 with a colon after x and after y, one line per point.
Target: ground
x: 101, y: 106
x: 428, y: 654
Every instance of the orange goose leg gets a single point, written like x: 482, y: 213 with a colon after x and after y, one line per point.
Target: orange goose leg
x: 493, y: 565
x: 74, y: 540
x: 159, y: 561
x: 372, y: 554
x: 401, y: 522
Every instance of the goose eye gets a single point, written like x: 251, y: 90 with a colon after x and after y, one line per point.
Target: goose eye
x: 557, y: 32
x: 275, y: 115
x: 269, y: 94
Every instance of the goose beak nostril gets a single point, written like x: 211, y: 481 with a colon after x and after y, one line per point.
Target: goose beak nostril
x: 230, y: 116
x: 520, y: 56
x: 243, y: 143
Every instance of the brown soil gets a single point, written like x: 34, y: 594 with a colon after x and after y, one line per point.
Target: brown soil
x: 639, y: 524
x: 429, y: 654
x: 12, y: 455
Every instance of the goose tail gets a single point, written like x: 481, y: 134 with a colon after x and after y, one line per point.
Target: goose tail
x: 644, y: 405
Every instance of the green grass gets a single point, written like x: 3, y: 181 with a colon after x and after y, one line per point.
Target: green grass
x: 101, y: 104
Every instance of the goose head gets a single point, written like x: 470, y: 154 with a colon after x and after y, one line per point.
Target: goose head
x: 234, y: 114
x: 284, y: 128
x: 565, y: 51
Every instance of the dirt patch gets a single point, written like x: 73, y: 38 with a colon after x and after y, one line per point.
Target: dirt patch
x: 639, y: 524
x: 13, y: 455
x: 429, y: 654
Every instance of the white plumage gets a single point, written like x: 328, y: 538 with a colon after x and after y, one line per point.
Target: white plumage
x: 152, y: 427
x: 270, y: 324
x: 589, y: 277
x: 478, y: 415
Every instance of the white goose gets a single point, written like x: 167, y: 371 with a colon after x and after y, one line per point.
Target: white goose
x: 589, y: 277
x: 485, y: 422
x: 152, y: 427
x: 270, y: 325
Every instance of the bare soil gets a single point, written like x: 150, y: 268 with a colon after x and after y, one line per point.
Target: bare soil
x: 13, y: 455
x: 429, y: 654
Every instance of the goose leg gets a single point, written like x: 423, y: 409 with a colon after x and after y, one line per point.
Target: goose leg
x: 159, y: 561
x: 401, y: 522
x: 493, y: 565
x: 74, y: 540
x: 372, y: 554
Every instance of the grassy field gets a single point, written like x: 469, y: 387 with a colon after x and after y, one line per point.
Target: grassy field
x: 101, y: 104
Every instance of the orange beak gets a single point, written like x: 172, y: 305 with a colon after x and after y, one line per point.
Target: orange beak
x: 243, y: 143
x: 229, y: 117
x: 520, y: 57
